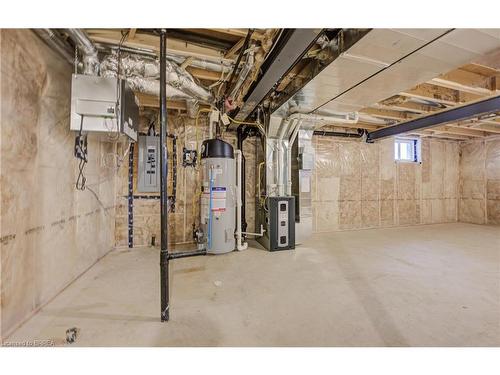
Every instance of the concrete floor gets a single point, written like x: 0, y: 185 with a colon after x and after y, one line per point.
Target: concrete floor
x: 431, y: 285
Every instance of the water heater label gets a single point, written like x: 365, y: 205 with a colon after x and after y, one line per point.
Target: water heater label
x: 218, y: 198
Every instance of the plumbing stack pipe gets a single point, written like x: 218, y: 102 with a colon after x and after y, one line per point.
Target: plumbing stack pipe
x: 164, y: 258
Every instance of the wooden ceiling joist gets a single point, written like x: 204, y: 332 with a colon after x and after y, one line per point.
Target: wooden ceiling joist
x: 442, y: 95
x: 152, y: 42
x: 387, y: 114
x: 204, y: 74
x: 466, y: 81
x: 408, y: 107
x: 234, y: 49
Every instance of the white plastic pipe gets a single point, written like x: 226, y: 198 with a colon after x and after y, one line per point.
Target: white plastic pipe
x: 326, y: 118
x: 240, y: 245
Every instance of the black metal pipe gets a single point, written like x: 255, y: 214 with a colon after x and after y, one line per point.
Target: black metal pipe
x: 242, y: 133
x: 359, y: 134
x: 185, y: 254
x: 164, y: 257
x: 240, y: 138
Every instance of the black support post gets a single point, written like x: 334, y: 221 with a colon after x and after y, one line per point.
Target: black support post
x: 164, y: 257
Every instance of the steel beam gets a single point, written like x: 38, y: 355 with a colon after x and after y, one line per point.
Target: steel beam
x: 451, y: 115
x: 297, y: 44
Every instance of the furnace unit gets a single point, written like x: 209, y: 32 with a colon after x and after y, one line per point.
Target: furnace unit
x: 279, y: 218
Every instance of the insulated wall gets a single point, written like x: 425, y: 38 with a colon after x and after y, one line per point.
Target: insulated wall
x: 146, y: 212
x: 358, y: 185
x: 480, y: 182
x: 50, y: 232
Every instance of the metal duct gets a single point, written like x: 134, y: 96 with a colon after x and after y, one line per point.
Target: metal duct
x: 182, y: 80
x: 148, y: 68
x: 214, y: 64
x: 308, y: 121
x: 192, y: 107
x: 53, y: 40
x: 386, y: 62
x: 152, y: 87
x: 223, y: 67
x: 90, y: 60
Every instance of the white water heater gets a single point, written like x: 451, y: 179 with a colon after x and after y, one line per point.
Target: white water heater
x: 218, y: 199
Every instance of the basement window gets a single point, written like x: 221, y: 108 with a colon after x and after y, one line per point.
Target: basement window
x: 407, y: 150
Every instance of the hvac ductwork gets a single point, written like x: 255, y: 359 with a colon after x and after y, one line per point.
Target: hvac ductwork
x: 223, y: 67
x: 386, y: 62
x: 213, y: 64
x: 139, y: 67
x: 151, y: 87
x: 89, y: 52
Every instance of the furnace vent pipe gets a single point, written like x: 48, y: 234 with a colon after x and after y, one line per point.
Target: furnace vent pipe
x: 82, y: 41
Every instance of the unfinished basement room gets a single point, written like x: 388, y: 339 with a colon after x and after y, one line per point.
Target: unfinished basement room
x: 250, y: 187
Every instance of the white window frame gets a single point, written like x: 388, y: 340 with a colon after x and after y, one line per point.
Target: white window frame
x: 415, y: 147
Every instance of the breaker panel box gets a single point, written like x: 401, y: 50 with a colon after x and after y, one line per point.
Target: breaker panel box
x: 148, y: 172
x: 95, y: 101
x: 279, y: 221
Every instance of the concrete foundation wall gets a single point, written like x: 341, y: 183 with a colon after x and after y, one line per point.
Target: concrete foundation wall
x: 358, y: 185
x: 50, y: 232
x: 146, y: 222
x: 480, y: 182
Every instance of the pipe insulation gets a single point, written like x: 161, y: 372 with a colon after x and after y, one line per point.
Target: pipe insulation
x: 146, y: 72
x: 222, y: 67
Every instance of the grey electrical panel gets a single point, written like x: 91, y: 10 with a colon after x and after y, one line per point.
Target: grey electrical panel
x: 148, y: 172
x: 279, y: 221
x: 103, y: 104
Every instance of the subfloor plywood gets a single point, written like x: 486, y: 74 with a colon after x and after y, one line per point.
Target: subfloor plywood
x: 431, y: 285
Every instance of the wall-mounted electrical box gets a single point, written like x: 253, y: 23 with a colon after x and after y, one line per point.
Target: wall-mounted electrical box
x: 95, y: 102
x: 148, y: 169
